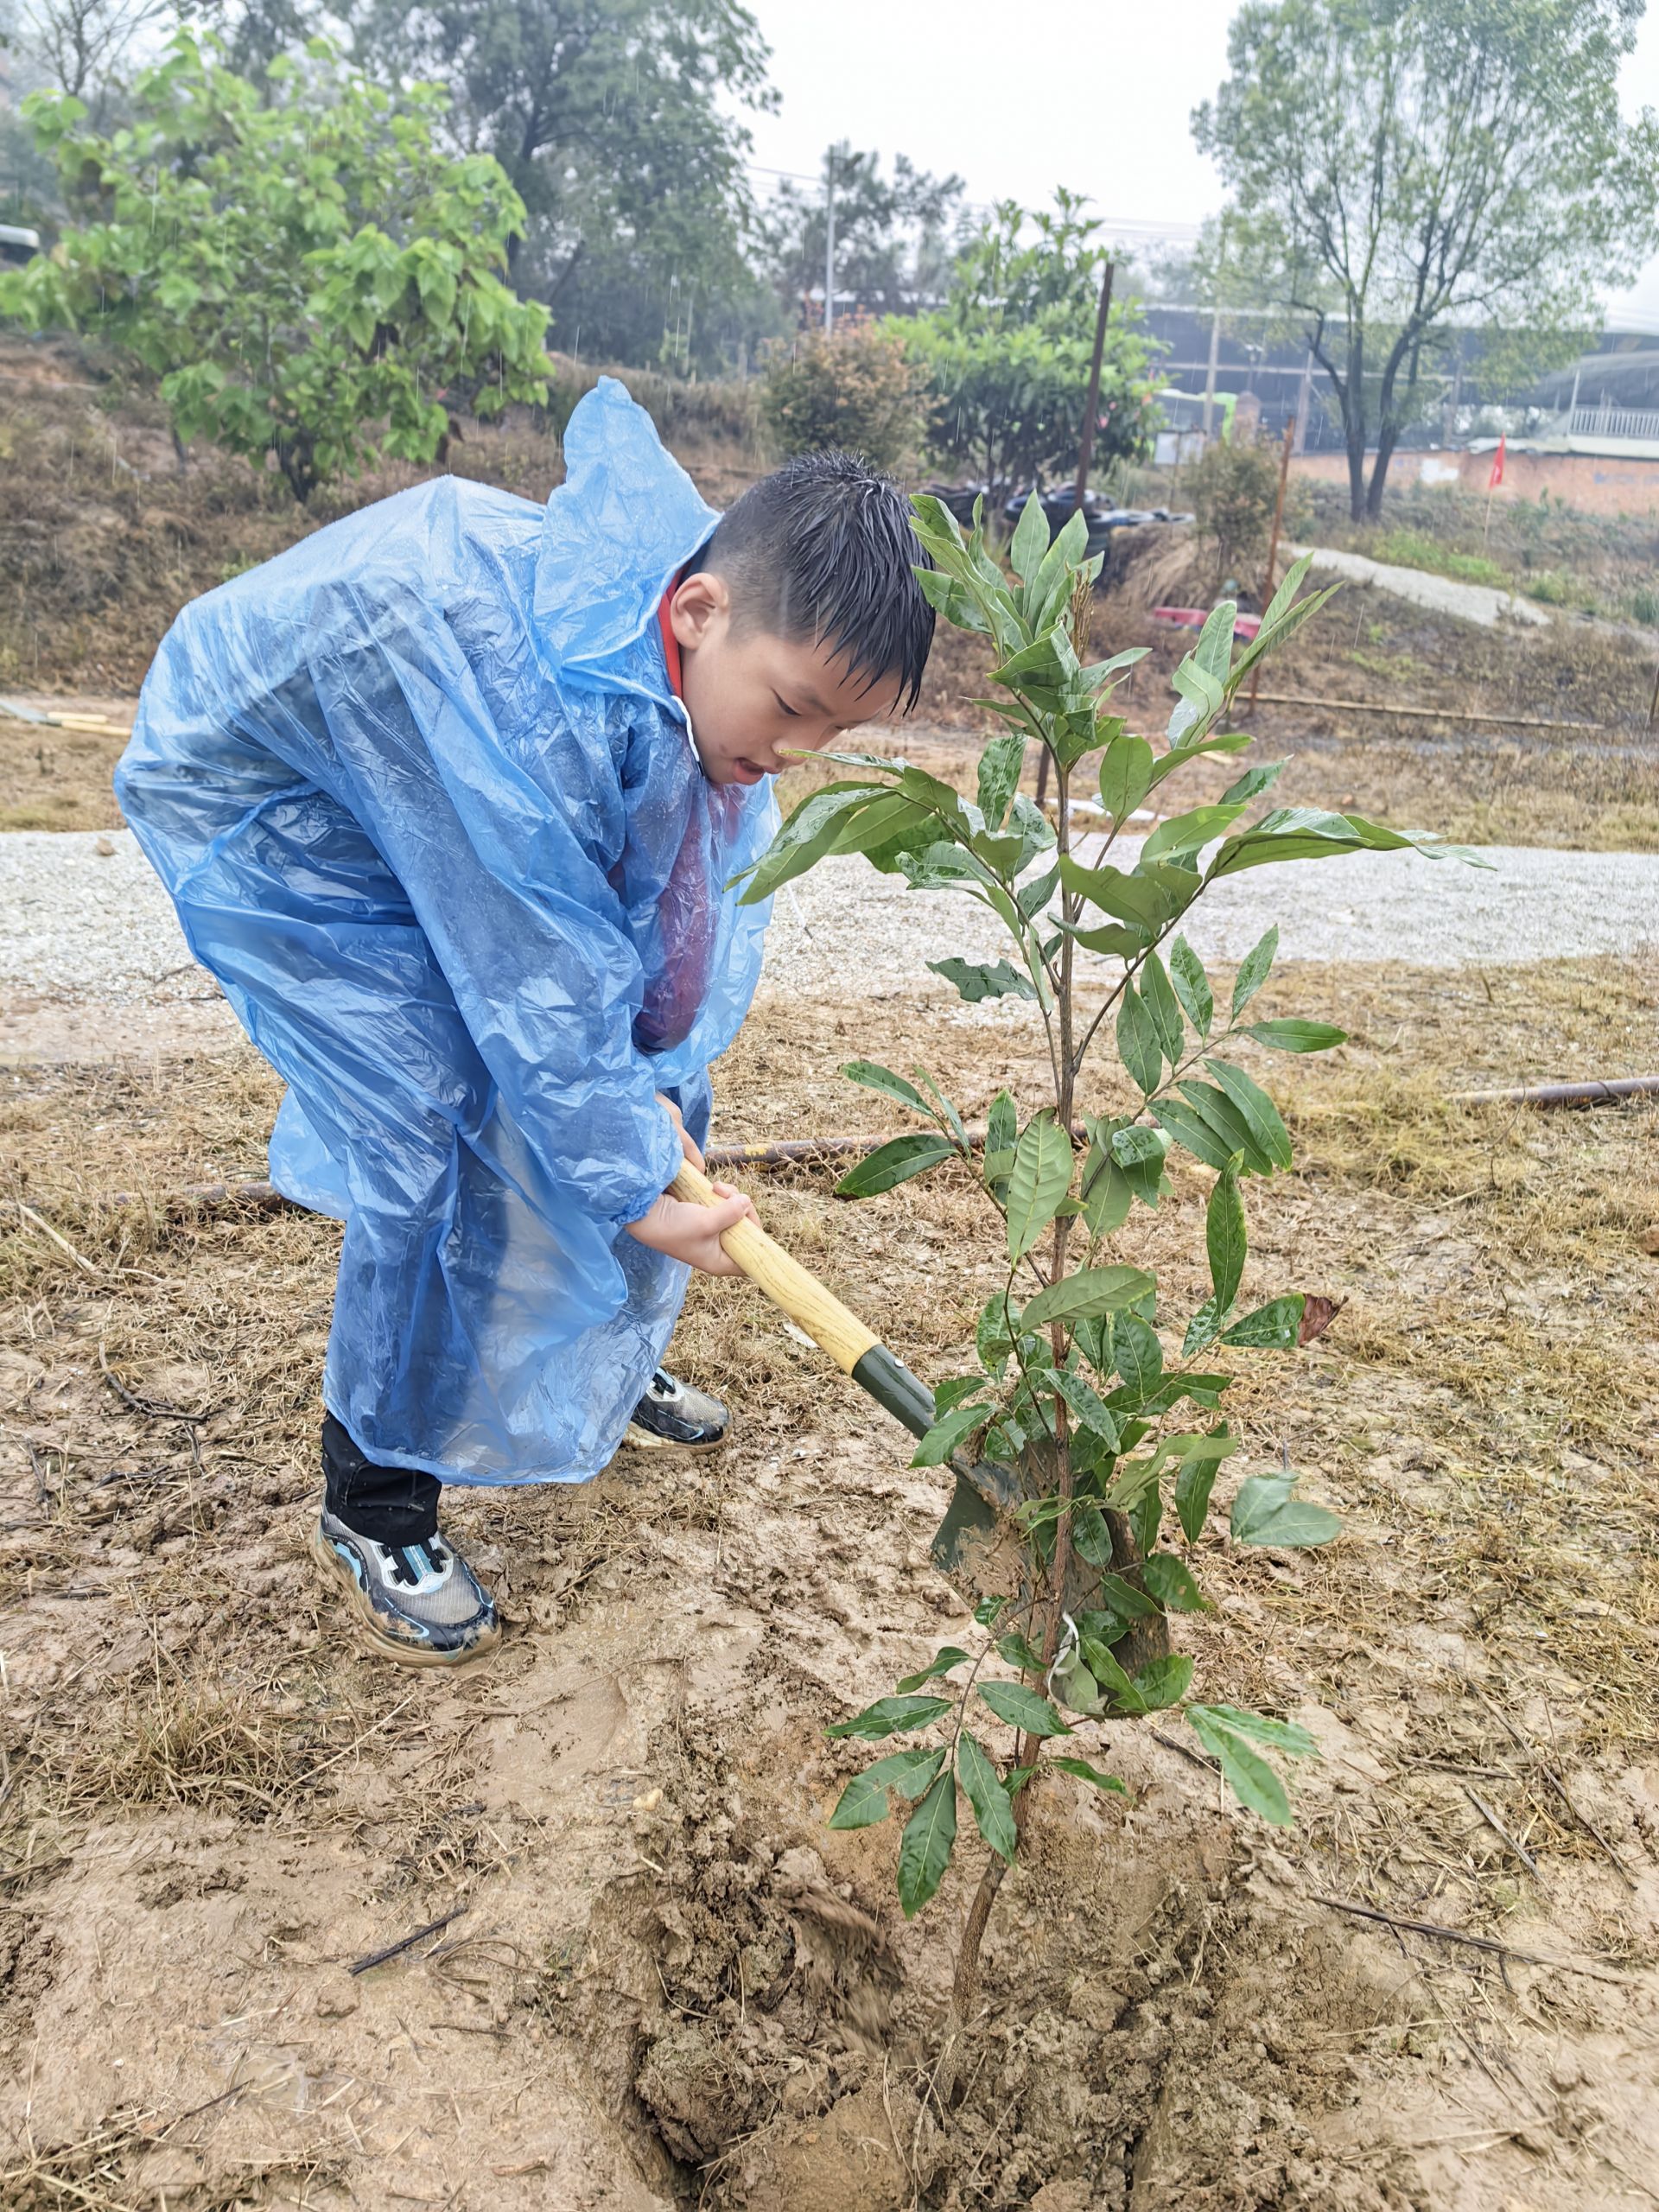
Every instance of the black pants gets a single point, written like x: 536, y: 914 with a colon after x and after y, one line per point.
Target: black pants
x: 391, y: 1505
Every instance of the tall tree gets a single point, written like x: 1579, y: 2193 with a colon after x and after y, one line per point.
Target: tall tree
x: 614, y: 119
x: 894, y: 237
x: 1401, y: 166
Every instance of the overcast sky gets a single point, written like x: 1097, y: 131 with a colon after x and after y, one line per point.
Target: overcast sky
x: 1098, y: 99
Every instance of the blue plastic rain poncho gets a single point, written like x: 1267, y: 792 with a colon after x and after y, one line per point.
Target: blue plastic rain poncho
x: 427, y: 807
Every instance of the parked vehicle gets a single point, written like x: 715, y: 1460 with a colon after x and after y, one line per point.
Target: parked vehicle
x: 18, y: 244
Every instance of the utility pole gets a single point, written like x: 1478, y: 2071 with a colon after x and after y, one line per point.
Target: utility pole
x: 829, y: 242
x: 1210, y: 380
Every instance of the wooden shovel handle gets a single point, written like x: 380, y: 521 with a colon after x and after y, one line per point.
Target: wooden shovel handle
x: 830, y: 1325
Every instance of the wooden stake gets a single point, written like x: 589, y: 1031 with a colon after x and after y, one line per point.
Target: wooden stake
x: 1272, y: 543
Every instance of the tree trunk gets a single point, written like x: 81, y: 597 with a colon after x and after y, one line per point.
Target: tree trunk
x: 1385, y: 444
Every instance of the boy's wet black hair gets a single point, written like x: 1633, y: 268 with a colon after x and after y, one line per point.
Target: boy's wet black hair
x: 822, y: 549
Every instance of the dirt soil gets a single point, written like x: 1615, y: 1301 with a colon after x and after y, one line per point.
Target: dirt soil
x: 668, y: 1983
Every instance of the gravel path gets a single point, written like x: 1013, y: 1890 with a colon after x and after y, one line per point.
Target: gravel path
x: 1481, y: 603
x: 83, y: 920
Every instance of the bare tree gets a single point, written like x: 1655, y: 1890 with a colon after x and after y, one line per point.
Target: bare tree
x: 81, y: 44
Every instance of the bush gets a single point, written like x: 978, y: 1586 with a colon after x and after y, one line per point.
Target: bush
x: 719, y: 408
x: 1233, y: 489
x: 305, y: 270
x: 854, y: 387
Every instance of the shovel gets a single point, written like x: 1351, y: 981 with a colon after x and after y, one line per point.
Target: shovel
x: 975, y: 1546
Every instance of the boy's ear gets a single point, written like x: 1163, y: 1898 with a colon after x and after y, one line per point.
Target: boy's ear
x: 697, y: 605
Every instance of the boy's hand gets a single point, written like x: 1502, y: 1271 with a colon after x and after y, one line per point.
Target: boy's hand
x: 687, y: 1144
x: 692, y: 1233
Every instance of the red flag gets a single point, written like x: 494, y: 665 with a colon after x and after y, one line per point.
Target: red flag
x: 1497, y: 476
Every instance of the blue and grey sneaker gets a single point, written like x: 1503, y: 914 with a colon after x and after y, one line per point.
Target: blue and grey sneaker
x: 674, y: 1415
x: 422, y: 1603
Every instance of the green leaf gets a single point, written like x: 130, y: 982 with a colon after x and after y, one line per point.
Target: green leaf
x: 1276, y: 1326
x: 1264, y: 1512
x: 892, y: 1716
x: 1138, y: 1045
x: 895, y: 1163
x: 1252, y: 782
x: 1231, y: 1735
x: 986, y: 1611
x: 1217, y: 1112
x: 1159, y: 997
x: 1041, y: 1177
x: 1194, y: 1481
x: 975, y: 980
x: 1086, y: 1404
x: 993, y: 1814
x: 1091, y: 1291
x: 946, y: 1435
x: 940, y: 1663
x: 1191, y: 986
x: 1030, y: 540
x: 1125, y: 776
x: 1128, y: 1603
x: 1261, y: 1116
x: 924, y: 1848
x: 873, y: 1076
x: 1140, y: 1355
x: 1189, y: 833
x: 1293, y: 1036
x: 994, y: 1334
x: 1170, y: 1579
x: 1190, y: 1128
x: 1165, y: 1681
x: 1288, y: 1738
x: 864, y: 1801
x: 1253, y: 971
x: 1017, y: 1652
x: 1085, y: 1772
x: 1021, y: 1707
x: 1303, y: 833
x: 1226, y: 1238
x: 1092, y: 1539
x: 999, y: 775
x: 1001, y: 1124
x: 1109, y: 1675
x: 1246, y: 1773
x: 1106, y: 1194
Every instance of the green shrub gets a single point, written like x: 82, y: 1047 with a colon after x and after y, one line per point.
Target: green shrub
x: 854, y: 388
x: 1233, y: 488
x: 718, y: 409
x: 1644, y: 604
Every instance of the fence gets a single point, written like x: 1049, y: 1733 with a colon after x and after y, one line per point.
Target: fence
x: 1605, y: 422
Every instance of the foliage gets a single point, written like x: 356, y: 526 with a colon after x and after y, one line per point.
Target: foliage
x: 617, y: 125
x: 80, y: 45
x: 305, y: 278
x: 1233, y: 486
x: 893, y: 236
x: 1104, y: 1406
x: 1008, y: 353
x: 1398, y: 169
x: 854, y: 388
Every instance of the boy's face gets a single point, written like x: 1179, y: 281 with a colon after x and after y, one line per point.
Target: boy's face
x: 754, y: 699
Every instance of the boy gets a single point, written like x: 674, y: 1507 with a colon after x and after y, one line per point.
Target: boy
x: 446, y: 797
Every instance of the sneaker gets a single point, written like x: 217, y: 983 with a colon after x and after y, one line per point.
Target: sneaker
x: 422, y: 1603
x: 674, y: 1414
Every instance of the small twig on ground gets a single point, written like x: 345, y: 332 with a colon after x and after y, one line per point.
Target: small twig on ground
x: 1186, y: 1751
x: 152, y: 1408
x: 1474, y: 1942
x: 1498, y: 1828
x: 61, y: 1242
x: 408, y: 1942
x: 1556, y: 1784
